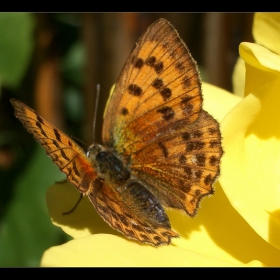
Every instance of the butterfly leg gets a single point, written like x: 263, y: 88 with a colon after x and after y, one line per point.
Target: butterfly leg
x: 75, y: 206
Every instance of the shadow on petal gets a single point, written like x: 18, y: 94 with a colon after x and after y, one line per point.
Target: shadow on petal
x: 218, y: 230
x: 83, y: 221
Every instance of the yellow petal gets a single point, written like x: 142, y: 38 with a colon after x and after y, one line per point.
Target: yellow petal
x: 238, y: 77
x: 266, y: 30
x: 251, y: 131
x: 218, y: 101
x: 103, y: 250
x: 83, y: 221
x: 218, y: 233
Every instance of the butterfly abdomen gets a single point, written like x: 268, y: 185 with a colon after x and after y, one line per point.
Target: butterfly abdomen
x: 146, y: 202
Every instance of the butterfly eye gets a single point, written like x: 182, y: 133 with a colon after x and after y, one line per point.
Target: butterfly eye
x: 93, y: 150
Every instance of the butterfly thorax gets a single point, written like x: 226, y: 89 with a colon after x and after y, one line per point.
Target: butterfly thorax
x: 109, y: 166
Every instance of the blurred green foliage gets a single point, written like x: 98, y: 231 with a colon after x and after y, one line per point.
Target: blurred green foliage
x: 16, y: 44
x: 26, y: 230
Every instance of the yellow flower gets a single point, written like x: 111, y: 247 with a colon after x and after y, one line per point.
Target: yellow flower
x: 251, y: 177
x: 251, y: 131
x: 266, y: 30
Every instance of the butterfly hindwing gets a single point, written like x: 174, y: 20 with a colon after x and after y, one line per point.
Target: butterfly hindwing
x: 185, y: 163
x: 134, y: 211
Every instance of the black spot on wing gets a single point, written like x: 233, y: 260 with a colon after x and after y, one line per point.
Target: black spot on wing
x: 150, y: 61
x: 166, y: 93
x: 182, y: 159
x: 200, y: 159
x: 167, y: 113
x: 135, y: 90
x: 64, y: 155
x: 164, y: 149
x: 57, y: 135
x: 124, y: 111
x: 194, y: 145
x: 214, y: 161
x: 208, y: 179
x: 159, y: 67
x: 157, y: 83
x: 139, y: 63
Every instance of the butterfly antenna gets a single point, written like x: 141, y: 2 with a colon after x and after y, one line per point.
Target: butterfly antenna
x: 95, y: 110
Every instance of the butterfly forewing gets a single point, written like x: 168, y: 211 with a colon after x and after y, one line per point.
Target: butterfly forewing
x: 68, y: 156
x: 159, y: 78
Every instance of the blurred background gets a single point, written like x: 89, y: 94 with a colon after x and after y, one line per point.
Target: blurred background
x: 53, y: 62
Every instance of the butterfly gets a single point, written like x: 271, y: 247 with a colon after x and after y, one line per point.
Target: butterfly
x: 160, y: 148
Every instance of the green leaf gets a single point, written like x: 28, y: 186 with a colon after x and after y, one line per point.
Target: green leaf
x: 26, y: 230
x: 16, y: 45
x: 73, y: 64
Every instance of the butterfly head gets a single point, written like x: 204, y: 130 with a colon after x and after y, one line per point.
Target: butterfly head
x: 93, y: 150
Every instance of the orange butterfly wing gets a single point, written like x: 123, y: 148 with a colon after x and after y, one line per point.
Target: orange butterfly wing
x: 159, y: 78
x: 69, y: 157
x: 131, y: 212
x: 124, y: 207
x: 155, y: 121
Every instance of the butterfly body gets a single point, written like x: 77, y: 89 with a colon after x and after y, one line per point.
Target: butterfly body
x: 160, y: 148
x: 146, y: 212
